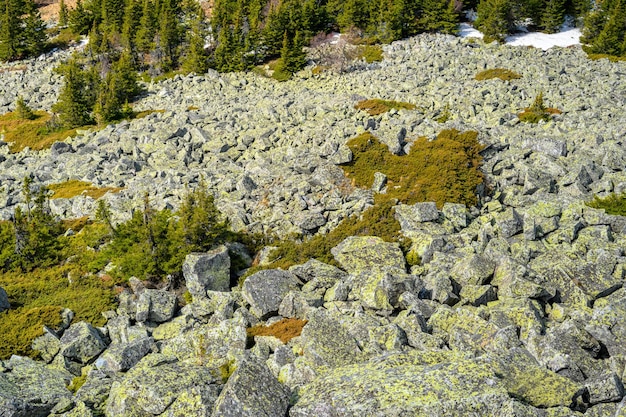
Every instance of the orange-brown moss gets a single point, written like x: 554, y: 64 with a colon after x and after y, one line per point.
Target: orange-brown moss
x: 285, y: 329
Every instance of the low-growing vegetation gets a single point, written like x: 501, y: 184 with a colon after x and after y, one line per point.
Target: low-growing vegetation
x: 285, y: 329
x: 537, y: 111
x: 72, y: 188
x: 37, y: 133
x: 614, y: 204
x: 376, y: 106
x: 501, y: 73
x: 446, y: 169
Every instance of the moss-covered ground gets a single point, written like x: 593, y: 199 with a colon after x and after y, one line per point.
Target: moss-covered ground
x: 72, y: 188
x: 377, y: 106
x: 501, y: 73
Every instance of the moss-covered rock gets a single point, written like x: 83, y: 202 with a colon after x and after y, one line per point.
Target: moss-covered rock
x: 367, y: 253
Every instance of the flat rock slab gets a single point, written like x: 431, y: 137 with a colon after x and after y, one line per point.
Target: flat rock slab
x: 362, y: 254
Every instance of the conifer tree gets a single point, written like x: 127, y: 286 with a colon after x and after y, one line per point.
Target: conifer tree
x: 75, y: 101
x: 132, y: 17
x: 609, y: 40
x: 553, y: 16
x: 144, y: 38
x: 196, y: 59
x: 439, y: 16
x: 63, y: 14
x: 23, y: 111
x: 10, y: 30
x: 80, y: 21
x: 494, y: 19
x: 113, y: 14
x: 34, y: 30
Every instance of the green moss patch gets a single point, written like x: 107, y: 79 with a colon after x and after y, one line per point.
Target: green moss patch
x: 501, y: 73
x: 285, y: 329
x: 446, y: 169
x: 37, y: 299
x: 614, y: 204
x: 377, y: 106
x: 72, y: 188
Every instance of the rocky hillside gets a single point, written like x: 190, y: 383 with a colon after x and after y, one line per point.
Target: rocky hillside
x: 516, y: 308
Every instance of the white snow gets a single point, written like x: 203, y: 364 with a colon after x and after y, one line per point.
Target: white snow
x: 568, y: 36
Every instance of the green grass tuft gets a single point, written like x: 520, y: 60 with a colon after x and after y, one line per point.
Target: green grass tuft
x: 614, y: 204
x: 72, y: 188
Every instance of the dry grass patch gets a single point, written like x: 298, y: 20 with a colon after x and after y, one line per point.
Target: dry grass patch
x: 501, y: 73
x: 377, y: 106
x: 34, y: 134
x: 72, y: 188
x: 285, y: 329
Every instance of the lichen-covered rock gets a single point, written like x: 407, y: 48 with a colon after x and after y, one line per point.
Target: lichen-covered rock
x: 81, y: 343
x: 95, y: 390
x: 380, y: 290
x: 410, y: 216
x: 473, y: 270
x: 607, y: 324
x: 313, y: 269
x: 123, y: 356
x: 153, y: 386
x: 31, y: 389
x: 265, y: 290
x: 363, y: 254
x: 252, y: 391
x: 48, y: 345
x: 326, y: 342
x: 210, y: 344
x: 4, y: 300
x: 414, y: 383
x: 478, y: 294
x: 603, y: 388
x: 207, y: 271
x: 156, y: 306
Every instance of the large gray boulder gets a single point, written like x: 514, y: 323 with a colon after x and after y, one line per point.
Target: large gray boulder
x: 207, y: 271
x: 121, y: 357
x: 362, y: 254
x: 156, y: 306
x: 159, y: 384
x: 252, y: 391
x: 81, y: 343
x: 265, y: 290
x: 31, y: 389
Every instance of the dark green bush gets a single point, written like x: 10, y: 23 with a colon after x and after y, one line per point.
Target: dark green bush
x: 614, y: 204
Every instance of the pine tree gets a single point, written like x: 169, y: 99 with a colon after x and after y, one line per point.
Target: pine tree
x: 609, y: 40
x: 10, y: 31
x: 168, y: 35
x: 63, y: 14
x: 292, y: 57
x: 74, y: 105
x: 113, y: 14
x: 22, y: 110
x: 439, y: 16
x: 144, y: 38
x: 80, y: 21
x: 196, y: 59
x: 494, y: 19
x: 132, y: 17
x: 553, y: 16
x: 34, y: 30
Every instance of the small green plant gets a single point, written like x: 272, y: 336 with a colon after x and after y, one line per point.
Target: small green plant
x: 23, y: 111
x: 77, y: 382
x: 376, y: 106
x: 445, y: 115
x: 537, y: 111
x: 614, y: 204
x: 501, y: 73
x: 413, y: 258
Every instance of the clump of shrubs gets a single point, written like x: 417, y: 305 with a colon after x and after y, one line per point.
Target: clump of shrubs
x: 614, y: 204
x: 501, y: 73
x: 376, y: 106
x: 370, y: 53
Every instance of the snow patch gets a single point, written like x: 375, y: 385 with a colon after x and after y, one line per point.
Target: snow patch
x: 568, y: 36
